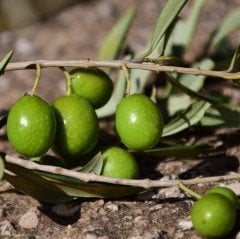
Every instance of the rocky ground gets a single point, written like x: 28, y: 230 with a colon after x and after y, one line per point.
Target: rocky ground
x: 76, y: 33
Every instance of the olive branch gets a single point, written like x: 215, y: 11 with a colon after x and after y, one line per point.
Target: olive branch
x: 91, y: 177
x: 119, y: 64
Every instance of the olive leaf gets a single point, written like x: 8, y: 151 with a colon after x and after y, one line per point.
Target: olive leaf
x: 185, y: 29
x: 193, y: 82
x: 1, y: 167
x: 235, y: 62
x: 31, y: 183
x: 54, y: 188
x: 188, y: 91
x: 166, y: 18
x: 229, y: 114
x: 192, y: 115
x: 176, y: 151
x: 178, y: 99
x: 5, y: 61
x: 114, y: 41
x: 93, y: 166
x: 221, y: 116
x: 118, y: 93
x: 49, y: 160
x: 229, y: 24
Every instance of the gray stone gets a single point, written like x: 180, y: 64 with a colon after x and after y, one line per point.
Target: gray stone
x: 29, y: 220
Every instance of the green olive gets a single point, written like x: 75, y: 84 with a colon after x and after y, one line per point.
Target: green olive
x: 227, y: 192
x: 213, y: 215
x: 92, y: 84
x: 139, y: 122
x: 31, y: 126
x: 77, y: 126
x: 118, y: 163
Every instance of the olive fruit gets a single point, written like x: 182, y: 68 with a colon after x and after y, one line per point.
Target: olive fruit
x: 118, y: 163
x: 77, y: 128
x: 139, y: 122
x: 31, y: 126
x: 213, y: 215
x: 227, y: 192
x: 92, y: 84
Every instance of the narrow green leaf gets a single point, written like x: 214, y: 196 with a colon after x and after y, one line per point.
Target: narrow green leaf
x: 114, y: 41
x: 166, y: 18
x: 5, y: 61
x: 188, y: 91
x: 97, y: 190
x: 222, y: 116
x: 192, y: 115
x: 58, y: 189
x: 118, y: 93
x: 178, y: 100
x: 29, y: 182
x: 139, y: 80
x: 177, y: 151
x: 191, y: 81
x: 1, y: 167
x: 228, y: 25
x: 235, y: 63
x: 93, y: 166
x: 185, y: 30
x: 50, y: 160
x: 229, y: 113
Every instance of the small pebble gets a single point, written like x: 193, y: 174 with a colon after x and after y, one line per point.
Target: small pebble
x: 112, y: 207
x: 90, y: 236
x: 140, y: 221
x: 172, y: 192
x: 6, y: 228
x: 29, y: 220
x: 155, y: 207
x: 185, y: 225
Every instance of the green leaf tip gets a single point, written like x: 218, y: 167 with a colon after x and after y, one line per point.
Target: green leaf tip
x: 114, y: 41
x: 5, y: 61
x: 229, y: 24
x: 165, y: 20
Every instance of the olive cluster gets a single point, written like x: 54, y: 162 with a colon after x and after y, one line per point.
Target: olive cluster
x: 214, y: 214
x: 70, y: 127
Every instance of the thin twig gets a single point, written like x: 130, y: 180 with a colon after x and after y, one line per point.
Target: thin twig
x: 128, y: 79
x: 90, y: 177
x: 68, y: 80
x: 38, y: 77
x: 118, y: 64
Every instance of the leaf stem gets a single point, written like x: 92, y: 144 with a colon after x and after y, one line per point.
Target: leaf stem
x: 189, y: 191
x: 128, y: 79
x: 36, y: 82
x: 68, y: 80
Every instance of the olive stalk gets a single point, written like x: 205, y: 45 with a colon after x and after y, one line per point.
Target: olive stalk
x: 36, y: 82
x: 189, y: 191
x: 90, y: 177
x: 128, y: 79
x: 118, y: 64
x: 68, y: 80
